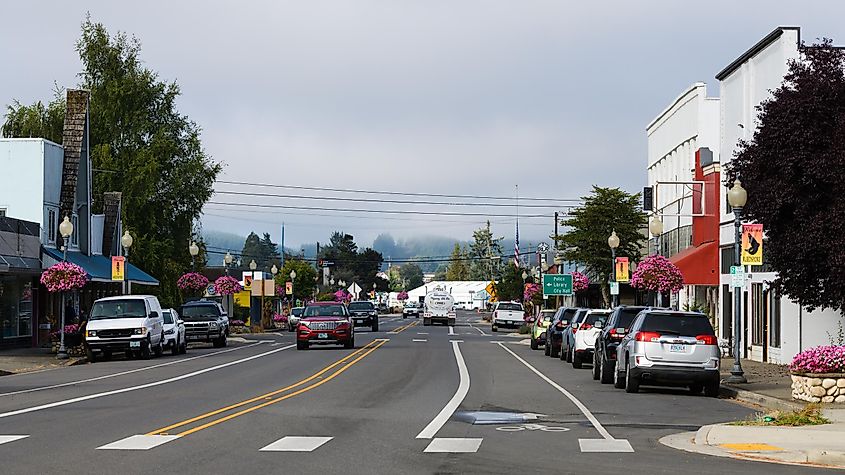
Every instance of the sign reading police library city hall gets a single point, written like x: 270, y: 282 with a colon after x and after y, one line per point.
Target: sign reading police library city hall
x: 752, y: 245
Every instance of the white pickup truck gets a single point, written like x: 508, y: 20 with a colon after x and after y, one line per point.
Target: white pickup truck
x: 508, y: 314
x: 439, y: 307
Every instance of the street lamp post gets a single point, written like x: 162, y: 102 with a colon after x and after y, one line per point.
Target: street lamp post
x: 194, y: 250
x: 292, y: 282
x: 656, y: 229
x: 126, y: 241
x: 613, y: 242
x: 374, y: 290
x: 252, y: 267
x: 227, y: 261
x: 66, y: 230
x: 275, y: 270
x: 737, y: 197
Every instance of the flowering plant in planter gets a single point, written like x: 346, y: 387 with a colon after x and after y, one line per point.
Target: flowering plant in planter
x: 821, y: 359
x: 237, y: 323
x: 530, y: 291
x: 64, y: 277
x: 402, y: 296
x: 192, y: 281
x: 279, y: 318
x: 226, y: 285
x: 657, y: 274
x: 580, y: 281
x: 69, y: 330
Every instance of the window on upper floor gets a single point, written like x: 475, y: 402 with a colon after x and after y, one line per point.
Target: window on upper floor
x: 51, y: 226
x: 74, y: 238
x: 2, y: 212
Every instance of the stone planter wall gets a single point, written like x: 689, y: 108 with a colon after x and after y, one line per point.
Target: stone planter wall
x: 819, y: 387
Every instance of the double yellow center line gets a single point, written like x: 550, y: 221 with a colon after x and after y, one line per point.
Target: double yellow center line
x: 269, y: 398
x: 404, y: 327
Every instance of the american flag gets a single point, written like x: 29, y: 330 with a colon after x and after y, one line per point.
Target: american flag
x: 516, y: 246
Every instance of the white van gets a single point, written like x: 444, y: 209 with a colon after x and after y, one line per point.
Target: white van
x: 129, y: 323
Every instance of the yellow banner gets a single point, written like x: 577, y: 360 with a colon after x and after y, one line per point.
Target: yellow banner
x: 752, y: 245
x: 622, y: 269
x: 118, y: 268
x: 242, y: 299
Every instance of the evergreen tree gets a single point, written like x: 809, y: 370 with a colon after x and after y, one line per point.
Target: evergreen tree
x: 485, y: 253
x: 458, y: 268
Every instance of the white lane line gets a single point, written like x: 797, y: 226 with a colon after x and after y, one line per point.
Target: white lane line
x: 139, y: 442
x: 451, y: 331
x: 453, y: 446
x: 419, y: 340
x: 463, y: 388
x: 122, y: 373
x: 589, y: 415
x: 422, y: 333
x: 5, y: 439
x: 141, y: 386
x: 478, y: 329
x: 296, y: 444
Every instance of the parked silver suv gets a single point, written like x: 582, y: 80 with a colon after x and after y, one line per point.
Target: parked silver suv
x: 669, y: 348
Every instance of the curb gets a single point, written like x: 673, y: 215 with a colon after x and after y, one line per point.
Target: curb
x: 750, y: 397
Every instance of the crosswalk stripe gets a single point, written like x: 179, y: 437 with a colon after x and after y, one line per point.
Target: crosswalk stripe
x: 441, y: 445
x: 5, y: 439
x: 296, y: 444
x: 419, y: 340
x: 139, y: 442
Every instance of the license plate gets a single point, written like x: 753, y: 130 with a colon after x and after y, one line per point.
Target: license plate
x: 359, y: 320
x: 677, y: 348
x: 322, y: 336
x: 194, y: 337
x: 134, y: 344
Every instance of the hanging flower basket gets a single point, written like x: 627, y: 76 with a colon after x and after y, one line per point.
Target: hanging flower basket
x: 226, y: 285
x: 342, y: 296
x: 64, y: 277
x: 530, y: 291
x: 657, y: 274
x: 402, y: 296
x: 192, y: 281
x: 580, y: 281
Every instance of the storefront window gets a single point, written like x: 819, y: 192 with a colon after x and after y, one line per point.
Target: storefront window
x: 15, y: 307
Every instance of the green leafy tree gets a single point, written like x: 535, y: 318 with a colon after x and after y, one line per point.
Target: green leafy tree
x: 485, y: 251
x: 458, y: 268
x: 793, y: 172
x: 510, y: 286
x: 440, y: 272
x: 394, y: 278
x: 304, y: 285
x: 605, y: 210
x: 150, y: 151
x: 412, y: 276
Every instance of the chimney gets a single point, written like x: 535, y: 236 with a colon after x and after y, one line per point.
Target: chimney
x: 111, y: 209
x: 73, y: 135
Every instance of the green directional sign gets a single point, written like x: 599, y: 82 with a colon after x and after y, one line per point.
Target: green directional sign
x: 557, y: 284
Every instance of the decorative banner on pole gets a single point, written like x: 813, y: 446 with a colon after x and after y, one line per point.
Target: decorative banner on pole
x: 288, y: 288
x: 242, y: 299
x: 247, y: 280
x: 621, y: 269
x: 752, y: 245
x: 118, y: 268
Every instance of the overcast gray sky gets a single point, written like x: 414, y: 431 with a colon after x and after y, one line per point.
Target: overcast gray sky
x: 456, y: 97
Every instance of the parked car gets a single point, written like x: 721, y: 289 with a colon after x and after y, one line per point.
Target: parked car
x: 364, y: 314
x: 667, y: 347
x: 568, y: 337
x: 130, y: 323
x: 325, y: 323
x: 557, y: 328
x: 584, y: 337
x: 383, y: 308
x: 604, y: 354
x: 293, y: 318
x: 205, y: 321
x: 174, y: 332
x: 411, y: 309
x: 539, y: 328
x: 508, y: 314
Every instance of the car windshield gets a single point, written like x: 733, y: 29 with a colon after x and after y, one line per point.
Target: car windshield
x: 361, y: 306
x: 596, y: 317
x: 190, y: 312
x: 509, y: 306
x: 568, y: 313
x: 579, y: 315
x: 296, y: 311
x: 129, y: 308
x: 546, y: 315
x: 168, y: 317
x: 681, y: 324
x: 626, y: 316
x: 324, y: 311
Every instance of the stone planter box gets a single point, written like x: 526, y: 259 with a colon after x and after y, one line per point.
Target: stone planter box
x: 825, y: 387
x: 239, y: 329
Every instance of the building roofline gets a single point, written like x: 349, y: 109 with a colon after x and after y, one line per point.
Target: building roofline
x: 766, y: 41
x: 26, y: 139
x: 677, y: 100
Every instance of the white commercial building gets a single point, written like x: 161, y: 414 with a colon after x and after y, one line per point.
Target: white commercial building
x: 468, y: 294
x: 774, y: 328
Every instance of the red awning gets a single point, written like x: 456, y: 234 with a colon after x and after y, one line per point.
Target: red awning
x: 699, y: 265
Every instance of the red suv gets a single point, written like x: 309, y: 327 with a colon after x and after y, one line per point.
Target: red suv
x: 325, y: 323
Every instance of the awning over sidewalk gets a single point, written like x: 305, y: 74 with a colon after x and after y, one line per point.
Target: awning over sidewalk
x: 20, y: 265
x: 699, y: 265
x: 99, y: 267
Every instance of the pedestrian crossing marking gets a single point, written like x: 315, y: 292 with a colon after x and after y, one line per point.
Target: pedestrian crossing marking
x: 605, y: 445
x: 445, y: 445
x: 419, y: 340
x: 5, y: 439
x: 139, y: 442
x: 296, y: 444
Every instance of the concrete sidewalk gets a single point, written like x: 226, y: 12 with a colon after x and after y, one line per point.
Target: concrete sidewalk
x: 27, y: 360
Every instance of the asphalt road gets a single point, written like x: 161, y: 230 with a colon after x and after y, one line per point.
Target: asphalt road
x: 401, y: 402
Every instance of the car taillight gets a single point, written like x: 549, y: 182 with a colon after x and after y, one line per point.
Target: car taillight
x: 647, y: 336
x: 559, y: 325
x: 706, y: 339
x: 586, y: 326
x: 614, y: 335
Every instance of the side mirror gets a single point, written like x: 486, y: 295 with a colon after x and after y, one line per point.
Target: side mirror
x: 531, y: 320
x: 153, y: 314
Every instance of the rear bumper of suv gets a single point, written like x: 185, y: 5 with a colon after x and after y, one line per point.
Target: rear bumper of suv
x: 657, y: 374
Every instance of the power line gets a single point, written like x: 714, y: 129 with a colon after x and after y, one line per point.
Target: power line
x: 378, y: 211
x: 394, y: 193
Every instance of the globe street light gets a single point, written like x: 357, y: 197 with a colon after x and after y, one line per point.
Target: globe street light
x: 613, y: 242
x: 737, y: 197
x: 66, y: 230
x: 126, y: 241
x: 194, y: 250
x: 252, y: 265
x: 227, y: 261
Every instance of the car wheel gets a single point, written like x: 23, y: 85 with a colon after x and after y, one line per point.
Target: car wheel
x: 576, y: 360
x: 696, y: 389
x: 177, y: 347
x: 184, y: 348
x: 404, y: 316
x: 632, y: 384
x: 568, y: 354
x: 618, y: 379
x: 606, y: 371
x: 494, y: 327
x: 159, y: 349
x: 547, y: 349
x: 301, y: 345
x: 712, y: 389
x: 224, y: 340
x: 91, y: 355
x: 534, y: 344
x: 596, y: 365
x: 349, y: 344
x: 145, y: 350
x: 375, y: 325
